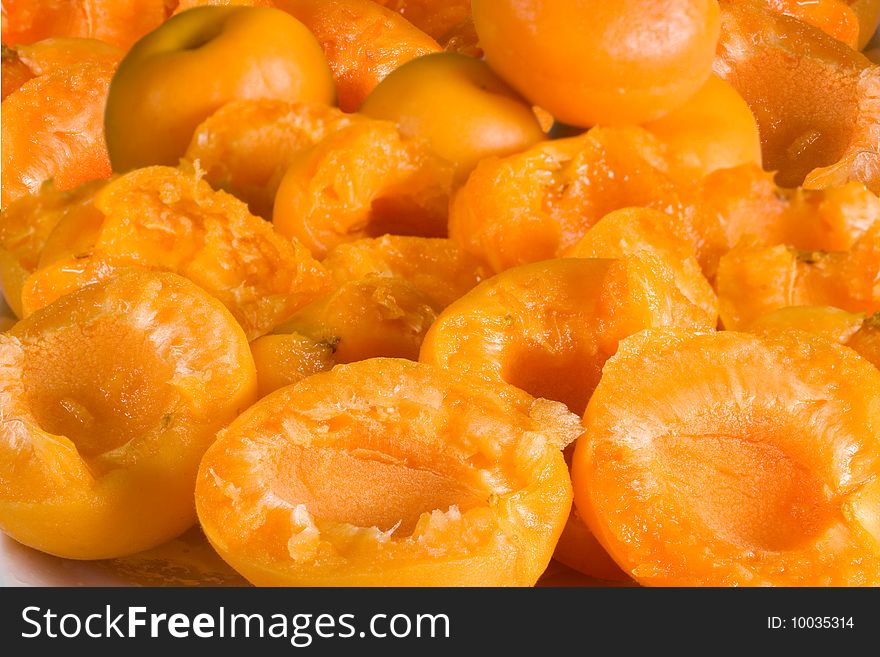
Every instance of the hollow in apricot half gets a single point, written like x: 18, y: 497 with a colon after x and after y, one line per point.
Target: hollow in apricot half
x: 388, y: 472
x: 110, y: 396
x: 732, y: 459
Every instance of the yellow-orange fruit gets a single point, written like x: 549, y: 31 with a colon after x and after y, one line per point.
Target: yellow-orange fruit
x: 362, y: 41
x: 26, y: 226
x: 459, y: 105
x: 286, y: 358
x: 548, y: 327
x: 363, y: 181
x: 590, y: 62
x: 388, y: 473
x: 110, y: 397
x: 732, y: 459
x: 168, y: 219
x: 246, y: 146
x: 534, y: 205
x: 181, y: 73
x: 754, y: 280
x: 439, y: 268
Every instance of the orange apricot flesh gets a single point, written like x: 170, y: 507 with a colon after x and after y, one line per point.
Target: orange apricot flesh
x: 286, y: 358
x: 26, y: 226
x: 703, y: 463
x: 433, y: 17
x: 548, y: 327
x: 816, y: 100
x: 631, y: 231
x: 110, y: 397
x: 834, y: 17
x: 387, y: 472
x: 754, y: 280
x: 439, y: 268
x: 536, y: 204
x: 363, y: 181
x: 71, y: 96
x: 120, y: 22
x: 851, y: 329
x: 168, y: 219
x: 246, y: 146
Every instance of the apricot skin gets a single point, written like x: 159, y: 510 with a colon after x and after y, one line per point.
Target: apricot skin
x: 166, y: 69
x: 481, y: 115
x: 105, y: 420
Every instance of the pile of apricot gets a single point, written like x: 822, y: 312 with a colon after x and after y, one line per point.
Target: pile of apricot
x: 444, y: 292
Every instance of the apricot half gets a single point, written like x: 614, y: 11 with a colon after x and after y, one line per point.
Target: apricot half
x: 110, y: 397
x: 179, y: 74
x: 388, y: 472
x: 363, y: 181
x: 732, y: 459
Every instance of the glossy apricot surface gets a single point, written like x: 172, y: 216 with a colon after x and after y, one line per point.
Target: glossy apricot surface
x: 589, y: 62
x: 111, y: 396
x: 320, y: 483
x: 703, y: 465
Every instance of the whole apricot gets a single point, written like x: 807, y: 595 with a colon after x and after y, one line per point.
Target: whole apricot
x: 589, y: 61
x: 179, y: 74
x: 480, y: 115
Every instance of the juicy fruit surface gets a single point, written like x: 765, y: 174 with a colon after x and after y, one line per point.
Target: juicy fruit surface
x: 111, y: 395
x: 729, y: 477
x: 559, y: 208
x: 472, y: 491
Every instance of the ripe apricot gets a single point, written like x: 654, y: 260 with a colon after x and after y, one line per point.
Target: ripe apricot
x: 110, y: 397
x: 743, y: 203
x: 439, y: 268
x: 52, y: 125
x: 286, y: 358
x: 632, y: 231
x: 534, y: 205
x: 851, y: 329
x: 817, y: 101
x: 481, y: 115
x: 732, y: 459
x: 548, y: 327
x: 362, y: 41
x: 363, y: 319
x: 834, y: 17
x: 868, y: 13
x: 363, y: 181
x: 387, y: 472
x: 196, y: 62
x: 26, y: 226
x: 120, y: 22
x: 592, y: 62
x: 369, y: 318
x: 714, y: 129
x: 754, y: 280
x: 246, y: 146
x: 433, y: 17
x: 167, y: 219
